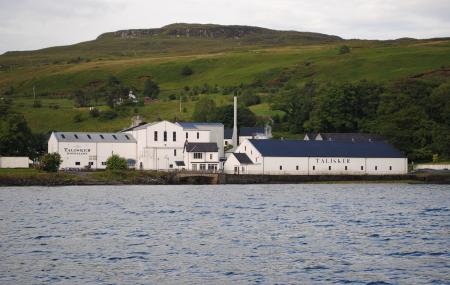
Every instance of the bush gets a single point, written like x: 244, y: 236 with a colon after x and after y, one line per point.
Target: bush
x: 78, y: 118
x: 172, y: 97
x: 116, y: 162
x: 344, y: 49
x: 50, y: 162
x: 37, y: 104
x: 186, y: 71
x: 94, y: 112
x: 108, y: 115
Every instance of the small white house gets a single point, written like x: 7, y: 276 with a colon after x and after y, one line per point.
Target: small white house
x: 201, y: 157
x: 14, y: 162
x: 299, y: 157
x: 90, y: 149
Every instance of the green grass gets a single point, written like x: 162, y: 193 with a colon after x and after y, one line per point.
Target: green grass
x: 224, y: 65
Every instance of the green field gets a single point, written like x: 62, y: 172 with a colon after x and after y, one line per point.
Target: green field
x: 221, y: 61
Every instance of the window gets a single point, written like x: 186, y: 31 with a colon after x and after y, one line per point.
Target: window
x: 155, y: 136
x: 89, y: 136
x: 170, y: 165
x: 329, y: 167
x: 174, y: 134
x: 91, y: 163
x: 77, y: 163
x: 281, y: 167
x: 202, y: 166
x: 212, y: 167
x: 390, y: 167
x: 114, y: 136
x: 76, y: 136
x: 198, y: 135
x: 362, y: 167
x: 296, y: 168
x: 243, y: 169
x: 165, y: 136
x: 174, y: 152
x: 102, y: 137
x: 314, y: 168
x: 346, y: 167
x: 251, y: 152
x: 210, y: 156
x: 245, y: 148
x: 187, y: 135
x: 194, y: 166
x: 198, y: 155
x: 103, y: 162
x: 127, y: 137
x: 376, y: 167
x: 63, y: 136
x: 226, y: 142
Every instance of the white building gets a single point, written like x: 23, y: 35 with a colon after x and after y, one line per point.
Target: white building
x: 202, y: 157
x: 14, y: 162
x: 161, y: 145
x: 297, y: 157
x: 90, y: 149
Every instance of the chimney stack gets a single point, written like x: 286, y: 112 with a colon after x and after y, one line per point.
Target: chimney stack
x: 235, y: 130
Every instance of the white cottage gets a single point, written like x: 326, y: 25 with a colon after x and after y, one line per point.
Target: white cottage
x: 299, y: 157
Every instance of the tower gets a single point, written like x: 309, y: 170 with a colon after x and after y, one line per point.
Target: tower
x: 235, y: 130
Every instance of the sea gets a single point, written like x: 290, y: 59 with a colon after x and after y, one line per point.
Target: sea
x: 226, y: 234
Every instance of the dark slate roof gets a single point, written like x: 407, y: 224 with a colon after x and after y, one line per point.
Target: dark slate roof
x: 201, y: 147
x: 311, y: 136
x: 227, y: 133
x: 301, y: 148
x: 243, y: 158
x: 350, y: 137
x: 94, y: 137
x: 194, y: 125
x: 248, y: 132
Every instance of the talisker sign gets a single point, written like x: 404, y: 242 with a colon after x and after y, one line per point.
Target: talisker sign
x: 332, y: 160
x: 77, y: 151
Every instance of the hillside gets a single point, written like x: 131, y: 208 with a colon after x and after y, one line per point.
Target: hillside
x: 225, y: 56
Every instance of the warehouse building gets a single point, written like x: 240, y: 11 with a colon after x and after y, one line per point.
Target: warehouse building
x: 90, y: 149
x: 300, y: 157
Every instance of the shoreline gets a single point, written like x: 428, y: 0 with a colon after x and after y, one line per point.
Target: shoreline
x: 93, y: 178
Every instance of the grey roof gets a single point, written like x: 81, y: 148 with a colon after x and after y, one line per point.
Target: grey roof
x: 201, y: 147
x: 195, y: 125
x: 140, y: 127
x: 248, y: 132
x: 134, y: 127
x: 301, y: 148
x: 227, y: 133
x: 243, y: 158
x: 311, y: 136
x: 350, y: 137
x: 179, y: 163
x: 94, y: 137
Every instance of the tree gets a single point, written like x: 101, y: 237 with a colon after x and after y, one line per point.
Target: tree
x: 81, y: 98
x: 204, y: 110
x: 15, y: 136
x: 225, y: 114
x: 50, y: 162
x: 115, y: 162
x: 249, y: 98
x: 187, y: 71
x: 151, y: 89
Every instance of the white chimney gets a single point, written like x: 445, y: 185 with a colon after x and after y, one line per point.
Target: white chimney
x: 235, y: 130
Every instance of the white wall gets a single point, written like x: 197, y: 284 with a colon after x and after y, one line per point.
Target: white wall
x: 433, y: 166
x: 207, y: 158
x: 14, y: 162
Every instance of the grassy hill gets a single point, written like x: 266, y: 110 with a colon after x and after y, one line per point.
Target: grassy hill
x: 219, y: 55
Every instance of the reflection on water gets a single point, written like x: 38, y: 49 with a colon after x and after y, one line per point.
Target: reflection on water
x: 230, y: 234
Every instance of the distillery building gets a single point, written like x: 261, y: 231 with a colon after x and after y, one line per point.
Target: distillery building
x: 300, y: 157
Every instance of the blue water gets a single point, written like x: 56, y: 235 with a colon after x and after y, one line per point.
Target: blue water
x: 230, y: 234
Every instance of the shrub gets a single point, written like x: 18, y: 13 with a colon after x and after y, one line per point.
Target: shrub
x: 115, y: 162
x: 344, y: 49
x: 78, y: 118
x: 186, y: 71
x: 108, y: 115
x: 50, y: 162
x: 37, y: 104
x: 172, y: 97
x: 94, y: 112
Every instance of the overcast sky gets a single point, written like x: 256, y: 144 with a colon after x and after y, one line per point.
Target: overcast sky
x: 34, y: 24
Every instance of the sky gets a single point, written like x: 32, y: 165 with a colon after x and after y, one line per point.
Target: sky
x: 35, y: 24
